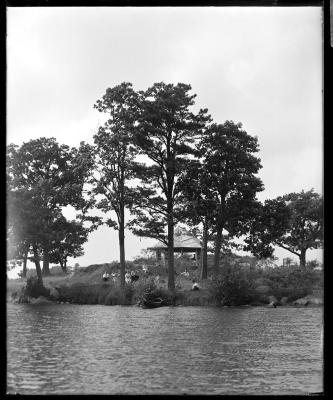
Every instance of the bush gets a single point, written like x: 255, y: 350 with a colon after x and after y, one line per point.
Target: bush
x: 147, y: 290
x: 295, y: 277
x: 233, y: 286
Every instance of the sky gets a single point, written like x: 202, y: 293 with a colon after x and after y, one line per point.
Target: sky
x: 261, y: 66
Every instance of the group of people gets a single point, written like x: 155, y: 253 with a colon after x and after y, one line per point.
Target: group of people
x: 134, y: 276
x: 131, y: 276
x: 106, y: 276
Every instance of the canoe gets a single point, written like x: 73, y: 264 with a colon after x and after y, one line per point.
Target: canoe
x: 157, y: 302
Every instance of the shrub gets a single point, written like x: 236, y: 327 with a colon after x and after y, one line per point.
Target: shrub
x: 312, y: 264
x: 232, y: 286
x: 295, y: 277
x: 147, y: 290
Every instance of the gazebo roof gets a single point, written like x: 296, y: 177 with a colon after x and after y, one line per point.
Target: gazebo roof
x: 182, y: 240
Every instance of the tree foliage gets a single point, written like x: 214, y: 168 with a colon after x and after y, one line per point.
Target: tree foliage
x: 293, y: 222
x: 68, y: 239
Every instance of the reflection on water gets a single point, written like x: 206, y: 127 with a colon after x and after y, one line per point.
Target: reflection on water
x: 60, y: 349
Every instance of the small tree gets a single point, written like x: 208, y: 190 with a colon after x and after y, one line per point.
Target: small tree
x: 69, y: 237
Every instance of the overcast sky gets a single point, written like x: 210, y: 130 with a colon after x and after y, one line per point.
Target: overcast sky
x: 258, y: 66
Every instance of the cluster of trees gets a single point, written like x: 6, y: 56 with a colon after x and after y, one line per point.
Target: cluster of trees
x: 164, y: 164
x: 293, y: 222
x: 42, y: 178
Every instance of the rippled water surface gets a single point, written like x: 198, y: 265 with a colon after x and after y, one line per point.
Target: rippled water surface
x: 82, y: 349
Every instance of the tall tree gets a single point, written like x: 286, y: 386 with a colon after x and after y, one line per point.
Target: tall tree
x: 228, y: 157
x: 113, y: 154
x: 293, y: 222
x: 164, y: 133
x: 199, y: 206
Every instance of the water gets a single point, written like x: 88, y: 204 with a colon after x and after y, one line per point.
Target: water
x: 76, y: 349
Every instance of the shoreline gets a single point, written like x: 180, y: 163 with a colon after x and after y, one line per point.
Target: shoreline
x: 41, y: 300
x: 85, y: 287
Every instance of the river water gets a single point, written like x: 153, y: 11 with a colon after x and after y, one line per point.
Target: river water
x: 83, y: 349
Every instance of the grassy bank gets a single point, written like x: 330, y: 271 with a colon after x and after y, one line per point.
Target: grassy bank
x: 238, y: 285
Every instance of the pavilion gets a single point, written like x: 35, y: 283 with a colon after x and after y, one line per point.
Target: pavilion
x: 184, y: 242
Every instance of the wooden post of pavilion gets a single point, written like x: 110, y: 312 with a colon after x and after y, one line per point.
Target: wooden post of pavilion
x: 198, y: 257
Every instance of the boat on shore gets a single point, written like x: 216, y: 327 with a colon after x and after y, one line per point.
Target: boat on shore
x: 152, y: 303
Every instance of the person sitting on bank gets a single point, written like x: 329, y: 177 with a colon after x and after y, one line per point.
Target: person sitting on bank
x: 134, y: 277
x: 127, y: 277
x: 106, y: 276
x: 195, y: 286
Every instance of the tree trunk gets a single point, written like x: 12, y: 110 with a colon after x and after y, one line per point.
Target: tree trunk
x: 37, y: 264
x: 302, y: 260
x: 25, y: 259
x: 218, y: 243
x: 46, y: 263
x: 171, y: 266
x: 204, y: 250
x: 122, y: 247
x: 63, y: 266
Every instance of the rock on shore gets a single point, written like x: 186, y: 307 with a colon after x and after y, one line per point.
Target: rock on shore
x: 308, y: 300
x: 39, y: 300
